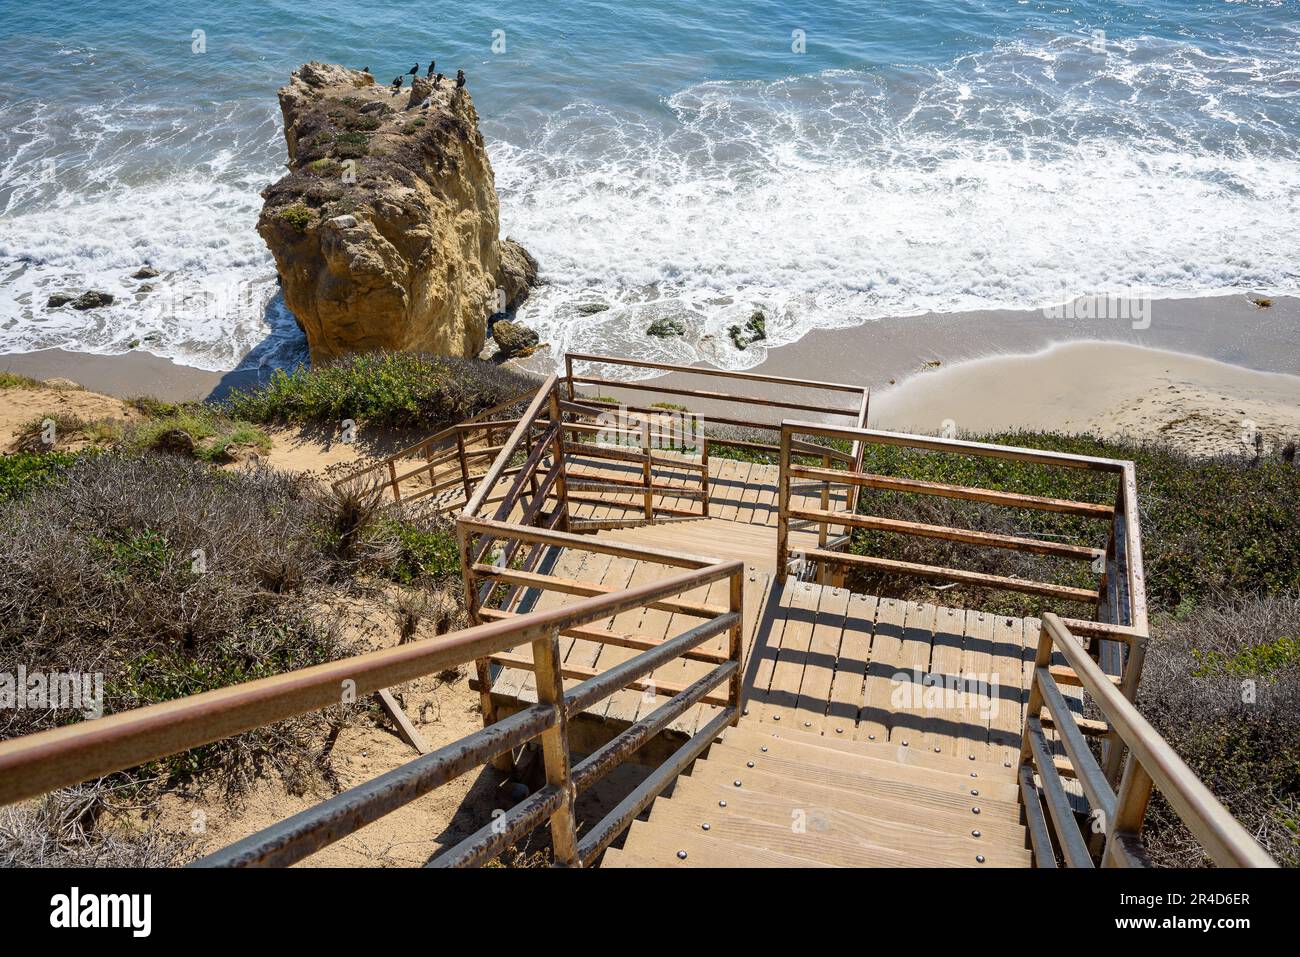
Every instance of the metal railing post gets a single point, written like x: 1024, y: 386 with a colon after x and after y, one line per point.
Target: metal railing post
x: 555, y: 748
x: 646, y: 471
x: 783, y: 506
x: 464, y: 466
x: 561, y: 485
x: 735, y: 649
x: 704, y: 461
x: 1130, y: 807
x: 1034, y: 708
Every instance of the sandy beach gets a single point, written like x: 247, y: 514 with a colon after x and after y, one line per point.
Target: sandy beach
x: 1202, y: 374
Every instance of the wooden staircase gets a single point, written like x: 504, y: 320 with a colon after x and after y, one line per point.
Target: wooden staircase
x: 767, y: 798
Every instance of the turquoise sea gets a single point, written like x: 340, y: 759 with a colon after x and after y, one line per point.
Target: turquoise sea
x: 836, y: 162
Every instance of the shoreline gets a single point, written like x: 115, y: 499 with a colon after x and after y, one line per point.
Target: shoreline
x: 1213, y: 361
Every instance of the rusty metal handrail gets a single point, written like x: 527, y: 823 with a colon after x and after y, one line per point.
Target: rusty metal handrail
x: 1151, y: 763
x: 1123, y: 557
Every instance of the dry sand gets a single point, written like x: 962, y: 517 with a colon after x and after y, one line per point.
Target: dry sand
x: 1108, y: 389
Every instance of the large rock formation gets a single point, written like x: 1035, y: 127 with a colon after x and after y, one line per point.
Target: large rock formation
x: 385, y: 230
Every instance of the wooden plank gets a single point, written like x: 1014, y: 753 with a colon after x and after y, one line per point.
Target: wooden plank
x: 767, y: 645
x: 886, y: 659
x: 410, y: 734
x: 910, y: 713
x: 823, y: 654
x: 848, y: 687
x: 1002, y: 822
x: 837, y: 832
x: 1010, y: 693
x: 624, y: 705
x: 787, y: 674
x: 943, y: 731
x: 977, y: 666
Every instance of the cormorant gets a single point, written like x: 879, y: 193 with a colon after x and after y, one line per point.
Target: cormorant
x: 429, y: 72
x: 397, y: 82
x: 365, y: 69
x: 413, y: 71
x: 437, y: 81
x: 460, y: 79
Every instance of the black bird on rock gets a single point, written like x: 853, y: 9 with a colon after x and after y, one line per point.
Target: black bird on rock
x: 397, y: 83
x: 429, y: 72
x: 413, y: 71
x: 365, y: 69
x: 460, y: 79
x: 437, y: 81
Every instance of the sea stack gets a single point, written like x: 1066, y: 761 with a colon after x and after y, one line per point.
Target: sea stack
x: 385, y: 230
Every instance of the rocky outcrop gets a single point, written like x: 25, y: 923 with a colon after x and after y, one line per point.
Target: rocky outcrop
x: 385, y: 230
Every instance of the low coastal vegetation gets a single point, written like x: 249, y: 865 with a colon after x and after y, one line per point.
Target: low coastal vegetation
x: 392, y: 389
x: 169, y: 577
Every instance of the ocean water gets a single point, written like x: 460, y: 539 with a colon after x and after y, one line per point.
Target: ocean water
x: 833, y: 163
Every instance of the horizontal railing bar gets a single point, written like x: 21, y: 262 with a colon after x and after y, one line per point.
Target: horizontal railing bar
x: 1100, y: 629
x: 723, y: 373
x: 956, y: 446
x: 294, y: 838
x: 584, y: 695
x: 625, y: 812
x: 570, y: 586
x: 964, y: 492
x: 1101, y: 796
x: 1069, y: 677
x: 658, y: 556
x: 619, y: 639
x: 979, y: 579
x: 502, y: 831
x: 1068, y: 835
x: 715, y: 396
x: 1087, y: 726
x: 584, y: 673
x: 1039, y: 838
x: 611, y: 754
x: 962, y: 535
x: 59, y: 757
x: 1224, y: 839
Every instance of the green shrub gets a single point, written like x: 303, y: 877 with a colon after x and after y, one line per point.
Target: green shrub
x: 171, y: 577
x: 395, y: 389
x: 213, y: 433
x: 24, y: 471
x: 297, y: 216
x: 426, y: 552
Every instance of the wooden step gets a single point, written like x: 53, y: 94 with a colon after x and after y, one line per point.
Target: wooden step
x: 748, y: 734
x: 658, y: 845
x: 855, y: 772
x: 917, y: 807
x: 847, y: 836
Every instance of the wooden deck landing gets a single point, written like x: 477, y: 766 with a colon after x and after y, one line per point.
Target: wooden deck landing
x: 880, y: 724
